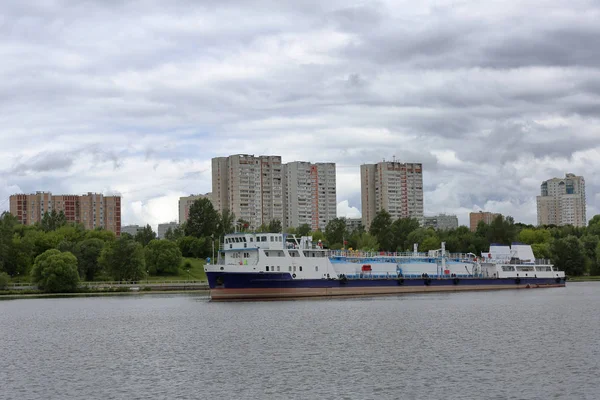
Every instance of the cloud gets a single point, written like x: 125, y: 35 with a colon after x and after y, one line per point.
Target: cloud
x: 137, y: 97
x: 345, y: 210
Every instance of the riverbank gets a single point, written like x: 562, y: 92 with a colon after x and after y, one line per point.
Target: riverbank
x: 584, y: 279
x: 42, y: 295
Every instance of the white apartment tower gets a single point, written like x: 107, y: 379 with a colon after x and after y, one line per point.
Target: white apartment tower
x: 250, y: 187
x: 392, y: 186
x: 562, y: 201
x: 310, y: 194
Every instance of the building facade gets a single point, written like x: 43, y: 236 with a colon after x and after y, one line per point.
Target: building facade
x: 353, y: 224
x: 186, y: 202
x: 131, y: 229
x: 93, y: 210
x: 441, y: 222
x: 392, y: 186
x: 562, y: 201
x: 310, y: 194
x: 476, y: 217
x: 163, y: 228
x: 250, y: 187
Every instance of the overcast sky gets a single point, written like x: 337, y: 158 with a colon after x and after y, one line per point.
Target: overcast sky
x: 136, y: 97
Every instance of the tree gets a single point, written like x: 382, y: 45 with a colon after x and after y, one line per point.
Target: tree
x: 7, y: 224
x: 102, y: 234
x: 4, y: 280
x: 335, y: 232
x: 88, y: 253
x: 226, y: 223
x: 367, y: 242
x: 203, y: 219
x: 303, y: 230
x: 123, y: 259
x: 275, y: 226
x: 145, y: 235
x: 568, y: 255
x: 53, y: 220
x: 590, y: 243
x: 195, y: 247
x: 381, y: 229
x: 55, y: 271
x: 400, y: 230
x: 175, y: 234
x: 163, y: 257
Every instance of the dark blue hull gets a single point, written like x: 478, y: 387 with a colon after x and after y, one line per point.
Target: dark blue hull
x: 226, y: 285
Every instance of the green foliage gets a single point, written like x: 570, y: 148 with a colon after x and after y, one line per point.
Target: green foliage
x: 55, y: 271
x: 4, y: 280
x: 400, y: 231
x: 104, y: 235
x: 226, y: 223
x: 335, y: 233
x: 367, y: 242
x: 87, y: 253
x: 303, y: 230
x: 541, y: 250
x: 163, y: 257
x: 242, y: 225
x: 275, y: 226
x: 531, y: 236
x: 145, y: 235
x: 195, y: 247
x: 175, y: 234
x: 381, y: 228
x: 568, y: 255
x: 123, y: 259
x: 53, y: 220
x: 203, y: 219
x: 317, y: 235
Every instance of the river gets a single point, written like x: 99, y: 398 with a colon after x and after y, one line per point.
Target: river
x: 522, y: 344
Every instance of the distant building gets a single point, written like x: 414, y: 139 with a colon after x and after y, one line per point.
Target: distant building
x: 441, y: 222
x: 92, y: 210
x: 310, y: 194
x: 484, y: 216
x: 353, y: 224
x: 131, y: 229
x: 163, y: 228
x: 186, y: 202
x: 562, y: 201
x: 392, y: 186
x: 250, y: 187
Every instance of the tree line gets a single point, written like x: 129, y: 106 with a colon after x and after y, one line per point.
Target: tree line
x: 57, y: 255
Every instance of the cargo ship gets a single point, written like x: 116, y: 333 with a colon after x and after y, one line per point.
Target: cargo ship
x: 278, y: 266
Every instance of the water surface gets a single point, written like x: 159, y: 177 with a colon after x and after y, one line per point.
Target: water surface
x: 522, y: 344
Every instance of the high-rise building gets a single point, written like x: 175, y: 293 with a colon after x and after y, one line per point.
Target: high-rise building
x: 163, y: 228
x: 485, y: 216
x: 250, y: 187
x: 392, y: 186
x: 441, y: 222
x: 186, y: 202
x: 93, y: 210
x: 310, y: 194
x: 562, y: 201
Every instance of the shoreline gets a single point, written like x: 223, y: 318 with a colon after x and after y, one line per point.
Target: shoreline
x: 13, y: 296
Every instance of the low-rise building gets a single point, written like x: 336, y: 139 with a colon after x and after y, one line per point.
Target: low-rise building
x: 441, y: 222
x: 131, y: 229
x: 485, y: 216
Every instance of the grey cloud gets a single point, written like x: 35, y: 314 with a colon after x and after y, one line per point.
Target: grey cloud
x: 115, y: 82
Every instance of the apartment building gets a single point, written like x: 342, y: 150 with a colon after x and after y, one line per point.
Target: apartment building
x: 476, y: 217
x: 310, y: 194
x: 131, y: 229
x: 392, y: 186
x: 441, y: 222
x: 250, y: 187
x: 93, y: 210
x: 186, y: 202
x: 562, y: 201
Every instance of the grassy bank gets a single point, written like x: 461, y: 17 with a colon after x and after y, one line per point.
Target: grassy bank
x: 584, y: 279
x: 196, y: 272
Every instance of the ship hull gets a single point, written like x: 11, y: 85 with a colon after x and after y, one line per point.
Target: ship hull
x: 256, y: 286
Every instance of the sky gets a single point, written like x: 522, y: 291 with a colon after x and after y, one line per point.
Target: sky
x: 136, y: 97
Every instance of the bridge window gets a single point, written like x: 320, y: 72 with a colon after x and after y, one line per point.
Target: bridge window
x: 278, y: 268
x: 250, y: 240
x: 316, y: 269
x: 294, y: 268
x: 300, y: 269
x: 264, y: 238
x: 267, y: 268
x: 290, y: 268
x: 271, y: 238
